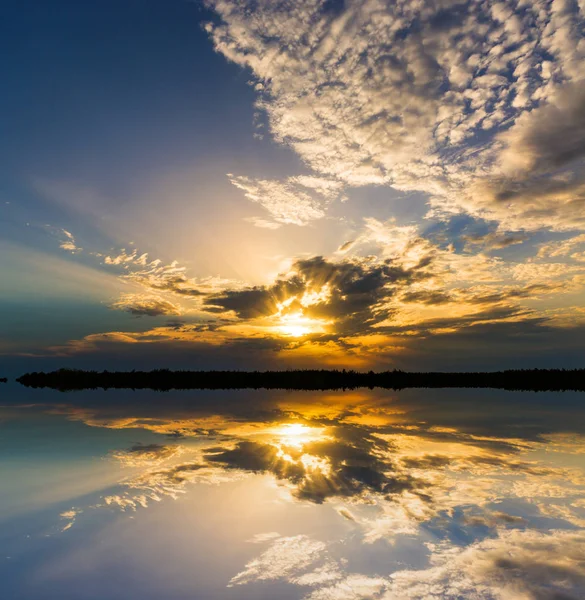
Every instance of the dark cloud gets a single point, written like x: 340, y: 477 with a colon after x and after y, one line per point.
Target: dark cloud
x: 258, y: 458
x: 494, y: 240
x: 553, y: 136
x: 427, y: 297
x: 481, y: 295
x: 352, y: 469
x: 346, y: 246
x: 356, y: 291
x: 146, y: 306
x: 427, y: 461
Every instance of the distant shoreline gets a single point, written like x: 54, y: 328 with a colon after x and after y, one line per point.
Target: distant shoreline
x: 166, y: 380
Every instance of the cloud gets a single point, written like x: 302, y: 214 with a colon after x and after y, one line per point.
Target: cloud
x: 146, y: 454
x: 441, y: 98
x: 69, y: 516
x: 263, y: 223
x: 124, y: 257
x: 142, y: 305
x: 389, y: 283
x: 296, y: 201
x: 494, y: 240
x: 517, y: 564
x: 68, y: 243
x: 573, y: 247
x: 549, y: 138
x: 346, y: 246
x: 343, y: 466
x: 390, y: 289
x: 286, y: 556
x: 351, y: 292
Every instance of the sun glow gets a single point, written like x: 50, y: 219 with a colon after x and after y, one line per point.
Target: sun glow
x: 297, y: 434
x: 291, y: 319
x: 297, y: 324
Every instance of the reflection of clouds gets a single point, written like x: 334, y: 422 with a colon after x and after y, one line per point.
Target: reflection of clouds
x: 155, y: 485
x: 344, y: 447
x: 286, y: 556
x: 516, y: 564
x: 69, y: 516
x: 318, y: 470
x: 494, y: 483
x: 146, y: 454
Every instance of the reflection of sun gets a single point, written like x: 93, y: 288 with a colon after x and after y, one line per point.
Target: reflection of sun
x: 296, y: 434
x: 295, y: 429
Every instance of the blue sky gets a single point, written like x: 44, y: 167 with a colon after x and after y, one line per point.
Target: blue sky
x: 288, y: 184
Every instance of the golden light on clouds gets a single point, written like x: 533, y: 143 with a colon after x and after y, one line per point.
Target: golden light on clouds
x: 297, y: 325
x: 291, y: 318
x: 297, y: 434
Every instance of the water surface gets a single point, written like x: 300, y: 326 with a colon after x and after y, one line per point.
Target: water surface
x: 450, y: 494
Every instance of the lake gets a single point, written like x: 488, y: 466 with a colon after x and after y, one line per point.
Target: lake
x: 416, y: 494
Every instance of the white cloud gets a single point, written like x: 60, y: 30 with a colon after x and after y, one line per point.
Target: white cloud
x: 296, y: 201
x: 68, y: 243
x: 286, y: 557
x: 431, y: 96
x: 516, y: 565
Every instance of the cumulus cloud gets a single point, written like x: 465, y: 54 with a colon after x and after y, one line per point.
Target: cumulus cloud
x: 471, y: 102
x: 339, y: 467
x: 351, y: 292
x: 549, y: 138
x: 517, y: 564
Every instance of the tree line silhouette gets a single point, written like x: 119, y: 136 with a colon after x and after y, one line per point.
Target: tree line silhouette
x: 165, y: 379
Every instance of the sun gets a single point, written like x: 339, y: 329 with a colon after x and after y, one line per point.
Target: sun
x: 296, y: 325
x: 290, y: 318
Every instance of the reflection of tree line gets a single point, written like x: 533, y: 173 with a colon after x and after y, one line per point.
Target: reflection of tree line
x: 164, y: 379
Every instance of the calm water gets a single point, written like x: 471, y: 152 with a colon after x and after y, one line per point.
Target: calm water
x: 218, y: 495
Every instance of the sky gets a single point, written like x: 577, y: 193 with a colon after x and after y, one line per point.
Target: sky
x: 262, y: 184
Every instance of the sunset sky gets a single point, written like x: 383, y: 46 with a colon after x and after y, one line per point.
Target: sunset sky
x: 266, y: 184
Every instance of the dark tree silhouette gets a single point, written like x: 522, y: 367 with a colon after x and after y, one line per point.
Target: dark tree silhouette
x: 164, y: 379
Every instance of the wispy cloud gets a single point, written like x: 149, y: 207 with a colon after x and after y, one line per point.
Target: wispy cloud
x: 144, y: 305
x: 68, y: 242
x: 296, y: 201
